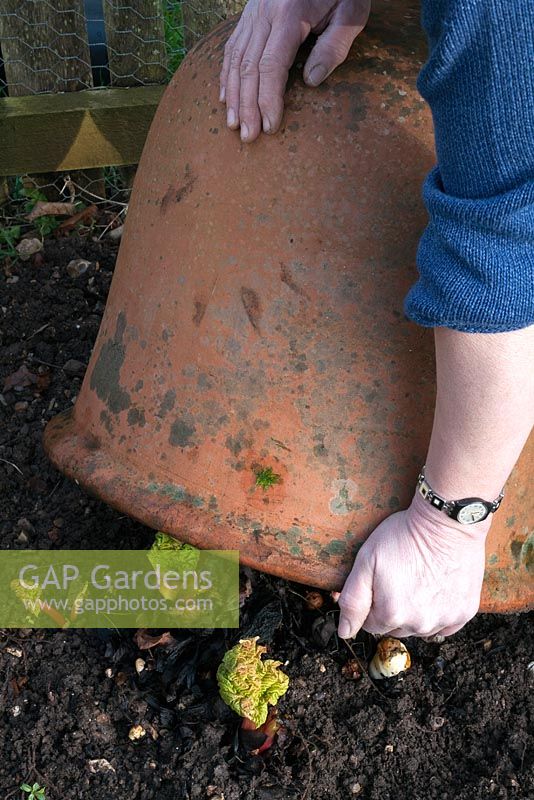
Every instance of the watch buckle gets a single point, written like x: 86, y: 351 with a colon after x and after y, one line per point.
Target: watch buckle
x: 496, y: 503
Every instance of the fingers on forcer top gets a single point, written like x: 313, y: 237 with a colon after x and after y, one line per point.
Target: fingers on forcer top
x: 333, y: 45
x: 233, y: 80
x: 278, y: 56
x: 249, y: 112
x: 257, y: 58
x: 228, y: 50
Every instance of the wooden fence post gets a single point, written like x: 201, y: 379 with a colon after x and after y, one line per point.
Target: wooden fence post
x: 201, y: 16
x: 135, y: 37
x: 45, y: 49
x: 136, y: 49
x: 45, y: 46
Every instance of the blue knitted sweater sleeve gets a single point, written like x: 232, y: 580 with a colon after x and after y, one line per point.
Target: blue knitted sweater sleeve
x: 476, y: 256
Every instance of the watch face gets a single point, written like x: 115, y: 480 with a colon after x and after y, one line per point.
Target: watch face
x: 474, y: 512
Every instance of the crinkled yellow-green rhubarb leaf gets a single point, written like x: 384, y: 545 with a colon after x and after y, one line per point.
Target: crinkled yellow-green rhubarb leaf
x: 249, y: 685
x: 164, y: 543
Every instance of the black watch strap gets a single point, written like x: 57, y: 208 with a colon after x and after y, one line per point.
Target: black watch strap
x: 467, y: 510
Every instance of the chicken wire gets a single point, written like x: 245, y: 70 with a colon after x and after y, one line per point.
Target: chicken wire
x: 66, y: 45
x: 108, y: 190
x: 69, y: 45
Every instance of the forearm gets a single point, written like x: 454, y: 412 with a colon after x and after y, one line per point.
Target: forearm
x: 484, y: 410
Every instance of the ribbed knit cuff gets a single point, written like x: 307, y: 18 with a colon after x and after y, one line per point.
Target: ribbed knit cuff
x: 476, y: 261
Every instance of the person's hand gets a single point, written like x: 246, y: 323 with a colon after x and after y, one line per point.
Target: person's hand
x: 263, y: 46
x: 418, y: 574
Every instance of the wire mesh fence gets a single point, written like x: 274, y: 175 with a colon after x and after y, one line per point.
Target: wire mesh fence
x: 92, y: 204
x: 50, y: 46
x: 67, y: 45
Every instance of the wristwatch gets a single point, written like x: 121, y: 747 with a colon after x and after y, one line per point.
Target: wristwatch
x: 468, y: 510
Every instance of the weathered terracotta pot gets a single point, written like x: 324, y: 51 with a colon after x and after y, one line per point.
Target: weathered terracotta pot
x: 255, y: 321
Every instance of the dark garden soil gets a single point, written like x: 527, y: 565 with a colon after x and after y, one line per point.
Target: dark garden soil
x: 459, y: 725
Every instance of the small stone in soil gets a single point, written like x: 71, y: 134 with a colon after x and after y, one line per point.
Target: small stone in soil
x: 136, y: 732
x: 77, y: 267
x: 214, y: 793
x: 74, y: 369
x: 27, y: 247
x: 100, y: 765
x: 25, y: 525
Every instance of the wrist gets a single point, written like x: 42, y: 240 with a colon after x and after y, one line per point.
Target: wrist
x: 466, y: 510
x: 422, y: 513
x: 453, y: 479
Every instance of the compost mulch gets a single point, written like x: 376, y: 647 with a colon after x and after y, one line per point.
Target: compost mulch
x: 458, y: 725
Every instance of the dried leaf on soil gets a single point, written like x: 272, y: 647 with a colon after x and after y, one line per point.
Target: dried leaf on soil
x: 144, y: 640
x: 43, y: 209
x: 20, y: 379
x: 82, y: 216
x: 323, y: 628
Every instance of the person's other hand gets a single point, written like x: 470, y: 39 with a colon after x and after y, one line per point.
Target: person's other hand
x: 263, y: 46
x: 418, y: 574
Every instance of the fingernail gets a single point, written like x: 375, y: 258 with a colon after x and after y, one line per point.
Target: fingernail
x: 222, y: 94
x: 317, y: 74
x: 266, y: 125
x: 230, y: 118
x: 244, y: 131
x: 344, y: 628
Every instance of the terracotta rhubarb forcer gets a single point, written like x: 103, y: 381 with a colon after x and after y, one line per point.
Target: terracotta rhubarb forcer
x: 255, y: 327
